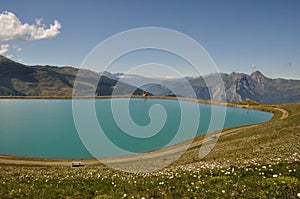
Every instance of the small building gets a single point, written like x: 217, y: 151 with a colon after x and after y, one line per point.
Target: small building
x: 77, y: 164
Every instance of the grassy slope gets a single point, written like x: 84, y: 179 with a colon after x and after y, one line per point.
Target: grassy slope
x: 261, y: 161
x: 276, y: 140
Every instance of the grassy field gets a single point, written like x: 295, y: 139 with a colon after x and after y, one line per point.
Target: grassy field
x: 259, y: 161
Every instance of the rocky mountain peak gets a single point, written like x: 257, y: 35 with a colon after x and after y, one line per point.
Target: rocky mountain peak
x: 258, y: 77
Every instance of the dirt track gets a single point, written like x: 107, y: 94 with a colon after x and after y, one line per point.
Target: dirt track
x: 285, y: 114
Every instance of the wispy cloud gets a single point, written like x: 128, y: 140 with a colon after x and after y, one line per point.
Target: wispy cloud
x: 17, y: 48
x: 11, y: 28
x: 4, y: 48
x: 10, y: 56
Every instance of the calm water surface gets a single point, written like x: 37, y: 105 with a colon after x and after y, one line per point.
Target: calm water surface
x: 46, y: 129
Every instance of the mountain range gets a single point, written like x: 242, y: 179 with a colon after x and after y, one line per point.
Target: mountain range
x: 17, y: 79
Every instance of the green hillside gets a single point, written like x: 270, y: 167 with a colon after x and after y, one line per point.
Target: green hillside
x: 20, y: 80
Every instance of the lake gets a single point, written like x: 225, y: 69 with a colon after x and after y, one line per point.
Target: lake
x: 43, y: 128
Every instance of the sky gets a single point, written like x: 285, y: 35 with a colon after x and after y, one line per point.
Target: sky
x: 238, y: 35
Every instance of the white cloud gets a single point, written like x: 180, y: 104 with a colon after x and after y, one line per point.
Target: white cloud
x: 4, y: 48
x: 11, y: 28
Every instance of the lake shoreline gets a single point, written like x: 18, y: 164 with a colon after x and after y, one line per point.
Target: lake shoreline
x: 279, y: 113
x: 205, y: 101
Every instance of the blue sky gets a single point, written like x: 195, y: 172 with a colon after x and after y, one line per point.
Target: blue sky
x: 236, y: 33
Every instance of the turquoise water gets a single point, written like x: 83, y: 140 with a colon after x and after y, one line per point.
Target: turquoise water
x: 46, y: 129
